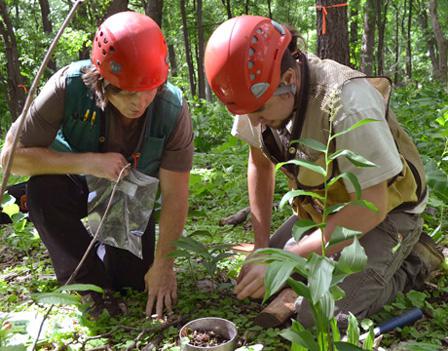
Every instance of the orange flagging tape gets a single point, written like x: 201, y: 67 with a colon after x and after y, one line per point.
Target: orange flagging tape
x: 324, y: 10
x: 23, y: 87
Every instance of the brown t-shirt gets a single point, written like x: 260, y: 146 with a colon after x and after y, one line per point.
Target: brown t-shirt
x: 47, y: 112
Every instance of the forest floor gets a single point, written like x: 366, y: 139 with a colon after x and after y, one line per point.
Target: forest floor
x: 204, y: 286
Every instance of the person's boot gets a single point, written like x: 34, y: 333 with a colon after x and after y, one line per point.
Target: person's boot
x: 430, y: 256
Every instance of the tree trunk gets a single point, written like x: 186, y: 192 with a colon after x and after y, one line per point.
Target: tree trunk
x: 16, y: 87
x: 429, y: 38
x: 408, y: 43
x: 154, y: 9
x: 381, y: 10
x: 332, y: 39
x: 246, y: 7
x: 441, y: 40
x: 201, y: 47
x: 172, y: 58
x: 269, y: 9
x: 188, y: 56
x: 396, y: 65
x: 47, y: 26
x: 115, y: 7
x: 354, y: 11
x: 226, y: 4
x: 368, y: 38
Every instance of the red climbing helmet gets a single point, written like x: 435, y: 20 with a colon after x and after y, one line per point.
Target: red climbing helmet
x: 242, y: 61
x: 130, y: 52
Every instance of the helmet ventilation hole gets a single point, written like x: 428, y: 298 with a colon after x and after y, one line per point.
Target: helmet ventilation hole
x: 251, y: 52
x: 104, y: 52
x: 112, y: 49
x: 254, y: 39
x: 250, y: 64
x: 101, y: 34
x: 105, y: 41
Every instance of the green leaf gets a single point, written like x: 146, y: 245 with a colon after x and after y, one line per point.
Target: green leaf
x: 335, y: 330
x: 354, y: 126
x: 276, y: 276
x: 293, y: 193
x: 352, y: 259
x: 301, y: 227
x: 417, y: 298
x: 191, y: 244
x: 300, y: 288
x: 335, y: 208
x: 341, y: 234
x: 345, y: 346
x: 437, y: 179
x: 337, y: 292
x: 201, y: 233
x: 355, y: 159
x: 303, y: 163
x: 365, y: 203
x: 352, y: 330
x: 81, y: 287
x: 319, y: 278
x: 299, y: 335
x: 351, y: 178
x: 56, y: 298
x: 326, y: 303
x: 369, y: 341
x: 273, y: 255
x: 313, y: 144
x: 8, y: 200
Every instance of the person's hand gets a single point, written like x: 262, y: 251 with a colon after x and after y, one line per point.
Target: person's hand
x: 250, y: 282
x: 160, y: 282
x: 107, y: 165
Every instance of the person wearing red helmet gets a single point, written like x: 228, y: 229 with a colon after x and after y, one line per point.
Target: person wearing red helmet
x: 279, y: 95
x: 94, y: 118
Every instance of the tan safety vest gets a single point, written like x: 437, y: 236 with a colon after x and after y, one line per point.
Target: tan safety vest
x: 326, y: 77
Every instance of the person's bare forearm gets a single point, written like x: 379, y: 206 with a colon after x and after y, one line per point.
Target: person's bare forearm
x: 38, y: 160
x: 261, y: 181
x: 172, y: 216
x: 353, y: 217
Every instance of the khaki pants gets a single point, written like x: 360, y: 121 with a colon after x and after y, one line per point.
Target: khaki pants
x: 386, y: 273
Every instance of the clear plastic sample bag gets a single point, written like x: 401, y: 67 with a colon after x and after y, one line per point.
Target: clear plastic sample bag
x: 129, y: 212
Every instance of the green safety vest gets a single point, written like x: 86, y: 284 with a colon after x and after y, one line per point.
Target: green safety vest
x: 84, y: 124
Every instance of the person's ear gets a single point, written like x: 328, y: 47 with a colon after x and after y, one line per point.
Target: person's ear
x: 289, y: 77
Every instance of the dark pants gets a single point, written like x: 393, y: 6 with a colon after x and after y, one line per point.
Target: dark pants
x: 390, y: 268
x: 57, y: 203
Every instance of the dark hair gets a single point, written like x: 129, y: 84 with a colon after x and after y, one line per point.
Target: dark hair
x: 93, y: 80
x: 293, y: 51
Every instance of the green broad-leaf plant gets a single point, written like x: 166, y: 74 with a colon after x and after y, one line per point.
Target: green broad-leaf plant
x: 323, y: 274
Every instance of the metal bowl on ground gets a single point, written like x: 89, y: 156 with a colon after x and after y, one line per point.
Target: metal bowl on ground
x: 219, y: 326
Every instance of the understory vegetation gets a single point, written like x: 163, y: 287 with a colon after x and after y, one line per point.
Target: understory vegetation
x: 207, y: 267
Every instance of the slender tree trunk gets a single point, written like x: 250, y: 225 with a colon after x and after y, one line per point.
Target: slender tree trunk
x: 429, y: 38
x: 115, y: 7
x: 381, y: 10
x: 47, y: 26
x: 172, y: 58
x: 332, y: 43
x: 154, y: 9
x: 16, y: 87
x: 409, y: 42
x: 368, y: 38
x: 441, y: 40
x: 201, y: 47
x: 269, y: 9
x: 188, y: 55
x: 354, y: 11
x: 226, y: 4
x: 397, y: 43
